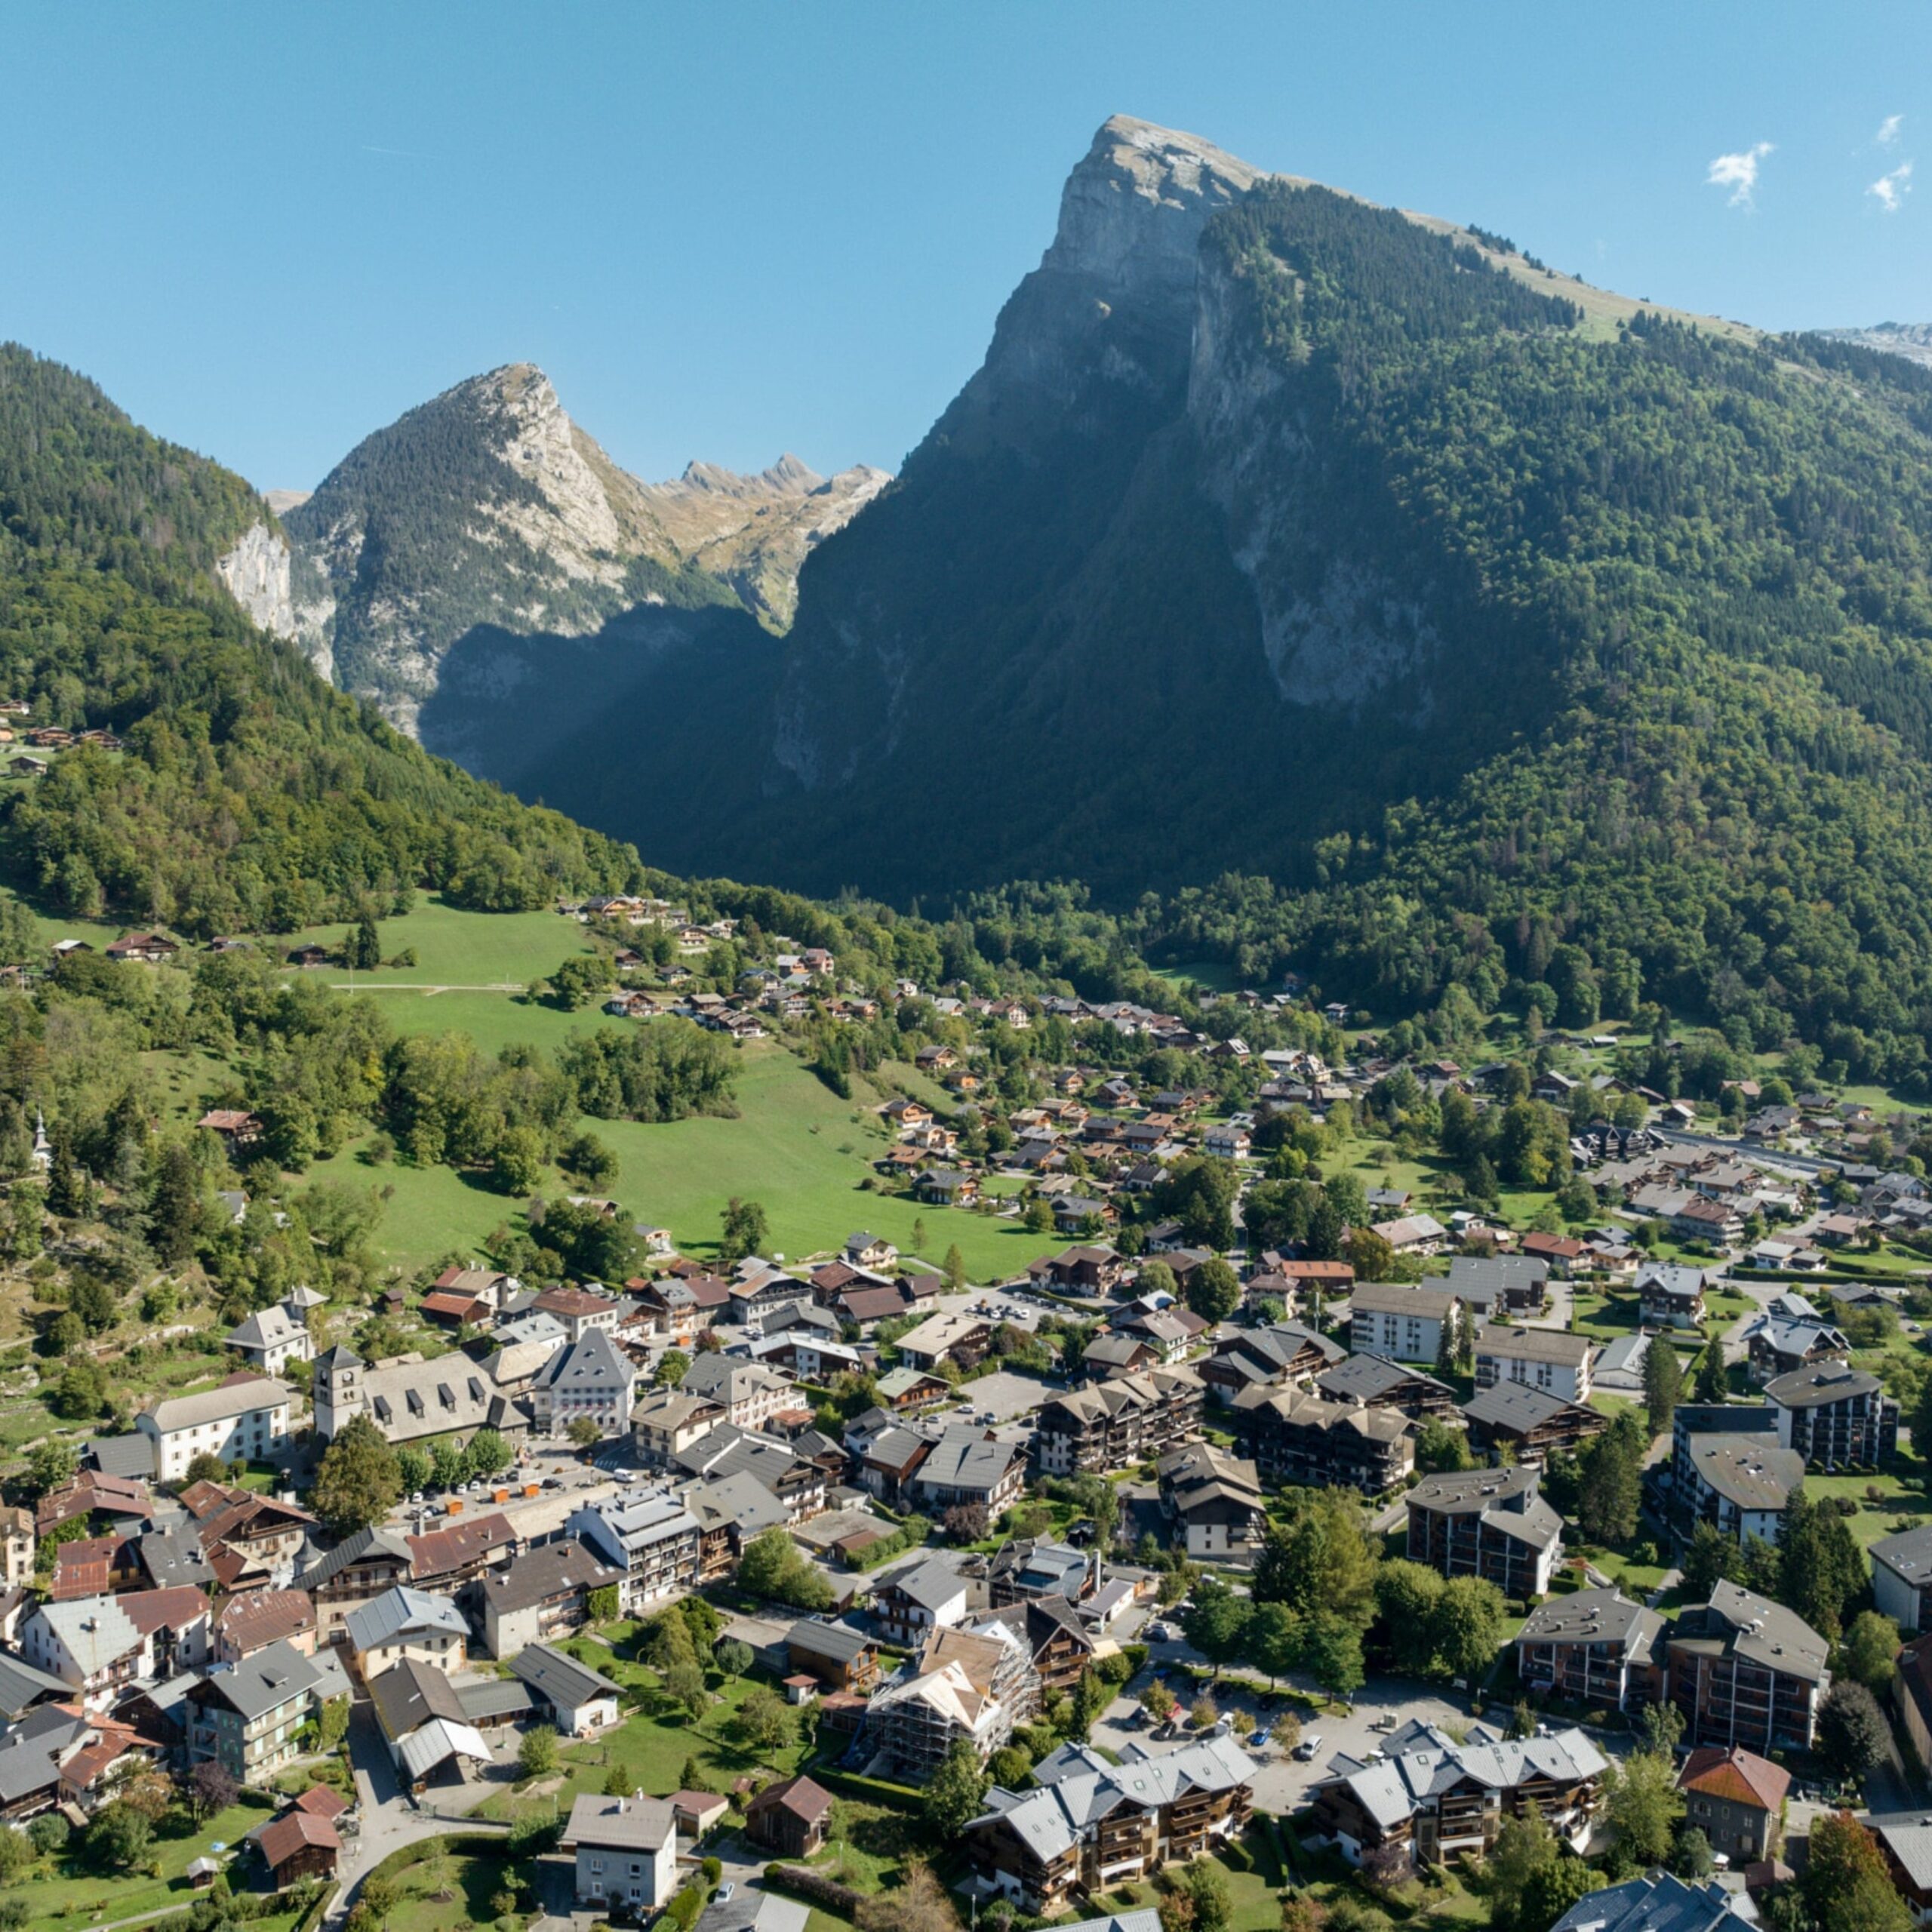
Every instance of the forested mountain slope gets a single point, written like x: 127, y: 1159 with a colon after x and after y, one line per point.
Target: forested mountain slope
x: 248, y: 793
x: 1283, y: 534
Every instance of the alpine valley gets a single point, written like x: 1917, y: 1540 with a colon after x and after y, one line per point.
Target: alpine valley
x: 1318, y: 584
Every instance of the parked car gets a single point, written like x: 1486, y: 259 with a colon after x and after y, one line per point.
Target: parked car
x: 1306, y: 1750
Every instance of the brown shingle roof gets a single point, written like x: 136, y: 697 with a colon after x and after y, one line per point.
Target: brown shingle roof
x: 292, y: 1831
x: 1740, y: 1775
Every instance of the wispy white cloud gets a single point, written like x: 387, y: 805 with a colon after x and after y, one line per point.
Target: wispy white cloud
x: 1739, y: 172
x: 1888, y: 129
x: 1890, y: 190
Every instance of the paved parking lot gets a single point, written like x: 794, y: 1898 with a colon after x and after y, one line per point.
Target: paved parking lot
x: 1281, y: 1783
x: 1002, y: 1396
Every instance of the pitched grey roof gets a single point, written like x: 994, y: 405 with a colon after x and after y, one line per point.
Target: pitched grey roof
x: 494, y: 1697
x: 1820, y: 1382
x: 266, y: 1681
x: 1594, y: 1616
x: 1659, y: 1903
x: 400, y: 1612
x: 594, y: 1363
x: 30, y: 1755
x: 963, y: 1459
x: 21, y: 1686
x: 123, y: 1455
x: 548, y: 1570
x: 1750, y: 1471
x: 1505, y: 1500
x: 1050, y: 1821
x: 407, y: 1695
x: 1422, y: 1762
x: 821, y: 1637
x: 558, y: 1679
x: 353, y: 1549
x: 1360, y: 1378
x: 1909, y: 1554
x: 621, y: 1824
x: 1516, y: 1405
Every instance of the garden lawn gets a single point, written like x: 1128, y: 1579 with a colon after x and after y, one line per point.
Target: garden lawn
x: 1253, y: 1876
x: 470, y: 1879
x: 652, y: 1744
x: 1902, y: 1502
x: 59, y: 1890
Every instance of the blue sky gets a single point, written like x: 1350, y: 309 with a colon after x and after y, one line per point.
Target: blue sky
x: 728, y: 229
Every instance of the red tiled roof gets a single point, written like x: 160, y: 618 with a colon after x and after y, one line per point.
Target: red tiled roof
x: 148, y: 1611
x: 319, y: 1802
x: 84, y: 1569
x: 799, y: 1796
x: 91, y: 1490
x: 254, y: 1622
x: 100, y: 1754
x: 1740, y: 1775
x: 457, y: 1307
x: 573, y: 1301
x: 439, y: 1552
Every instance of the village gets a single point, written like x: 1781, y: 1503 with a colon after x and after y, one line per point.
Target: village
x: 1230, y: 1552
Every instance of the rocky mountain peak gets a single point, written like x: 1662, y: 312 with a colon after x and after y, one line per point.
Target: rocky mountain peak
x: 1132, y: 211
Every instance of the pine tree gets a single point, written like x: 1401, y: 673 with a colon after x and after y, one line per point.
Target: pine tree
x: 1663, y: 1384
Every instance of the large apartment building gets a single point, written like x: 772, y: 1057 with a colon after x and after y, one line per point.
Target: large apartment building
x: 1401, y: 1322
x: 1090, y: 1824
x: 1544, y: 1359
x: 1114, y: 1424
x: 1427, y: 1796
x: 1746, y: 1671
x: 1594, y: 1647
x: 650, y: 1535
x: 243, y: 1421
x: 1835, y: 1416
x: 1491, y: 1522
x: 1298, y: 1437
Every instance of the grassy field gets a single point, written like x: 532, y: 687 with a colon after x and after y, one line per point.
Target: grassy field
x: 802, y: 1152
x: 456, y: 948
x: 1900, y: 1502
x: 492, y: 1021
x: 794, y: 1146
